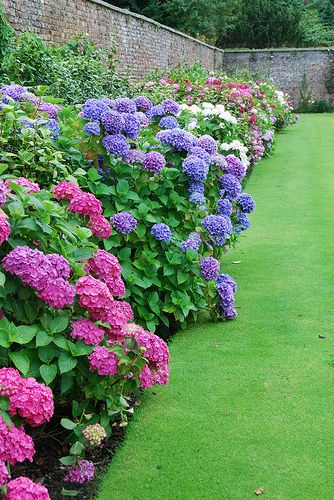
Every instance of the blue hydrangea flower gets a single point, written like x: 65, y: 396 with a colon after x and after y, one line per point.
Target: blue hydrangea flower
x: 171, y: 107
x: 195, y: 168
x: 168, y: 122
x: 153, y: 162
x: 231, y: 187
x: 161, y: 232
x: 112, y: 121
x: 14, y: 91
x: 202, y: 154
x: 93, y: 109
x: 246, y: 203
x: 156, y: 112
x: 209, y: 268
x: 131, y: 126
x: 116, y: 144
x: 54, y: 128
x: 143, y: 103
x: 226, y: 296
x: 218, y: 227
x: 108, y: 102
x: 226, y: 278
x: 92, y: 128
x: 198, y: 199
x: 224, y: 207
x: 124, y: 222
x: 193, y: 242
x: 124, y: 105
x: 244, y: 222
x: 234, y: 166
x: 208, y: 143
x: 133, y: 156
x: 142, y: 118
x: 178, y: 138
x: 196, y: 186
x: 218, y: 160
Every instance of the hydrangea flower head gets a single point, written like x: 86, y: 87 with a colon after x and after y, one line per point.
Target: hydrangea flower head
x: 168, y: 122
x: 153, y: 162
x: 209, y: 268
x: 4, y: 474
x: 84, y: 329
x: 80, y: 473
x: 193, y: 242
x: 25, y: 489
x: 58, y: 293
x: 14, y: 91
x: 33, y: 187
x: 85, y: 204
x: 124, y: 222
x: 124, y: 105
x: 99, y: 226
x: 112, y: 121
x: 161, y: 232
x: 65, y: 190
x: 231, y: 187
x: 3, y: 193
x: 104, y: 361
x: 201, y: 153
x: 9, y: 381
x: 218, y: 227
x: 95, y: 434
x: 234, y: 166
x: 195, y: 168
x: 92, y: 128
x: 116, y: 144
x: 224, y: 207
x: 131, y: 126
x: 208, y: 143
x: 4, y: 230
x: 133, y: 156
x: 94, y: 296
x: 32, y: 401
x: 60, y: 265
x: 15, y: 444
x: 246, y: 203
x: 143, y: 103
x: 171, y: 107
x: 93, y: 109
x: 226, y: 278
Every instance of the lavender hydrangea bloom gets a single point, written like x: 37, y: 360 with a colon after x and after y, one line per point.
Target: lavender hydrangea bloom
x: 224, y: 207
x: 27, y: 124
x: 108, y: 102
x: 219, y: 160
x: 156, y: 112
x: 209, y: 268
x: 226, y: 278
x: 218, y: 227
x: 80, y: 473
x: 234, y: 166
x: 226, y: 295
x: 244, y: 222
x: 133, y: 156
x: 154, y: 162
x: 161, y: 232
x: 178, y: 138
x: 131, y: 126
x: 143, y: 103
x: 198, y: 199
x: 246, y: 203
x: 112, y: 121
x: 3, y: 193
x: 49, y: 108
x: 116, y: 144
x: 171, y: 107
x: 196, y: 186
x: 208, y: 143
x: 231, y: 187
x: 93, y: 109
x: 195, y: 168
x: 13, y: 91
x: 168, y: 122
x: 124, y: 105
x: 124, y: 222
x: 92, y: 128
x: 142, y: 118
x: 202, y: 154
x: 193, y: 242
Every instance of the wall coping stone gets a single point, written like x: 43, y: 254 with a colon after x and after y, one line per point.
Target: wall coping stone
x: 282, y: 49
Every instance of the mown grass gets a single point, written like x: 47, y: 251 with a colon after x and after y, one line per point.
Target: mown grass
x: 251, y: 402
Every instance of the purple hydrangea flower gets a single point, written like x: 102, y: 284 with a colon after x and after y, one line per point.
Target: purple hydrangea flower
x: 131, y: 126
x: 226, y: 296
x: 244, y: 222
x: 143, y: 103
x: 196, y: 186
x: 124, y: 105
x: 54, y: 127
x: 112, y: 121
x: 13, y: 91
x: 142, y: 118
x: 226, y: 278
x: 116, y: 144
x: 3, y: 193
x: 92, y: 128
x: 209, y: 268
x: 195, y: 168
x: 246, y: 203
x: 198, y: 199
x: 193, y: 242
x: 231, y: 187
x: 178, y: 138
x: 168, y: 122
x: 161, y: 232
x: 107, y: 101
x: 208, y: 143
x: 201, y: 153
x: 218, y: 227
x: 156, y: 112
x: 49, y: 108
x: 218, y: 160
x: 80, y: 473
x: 234, y: 166
x: 59, y: 264
x: 153, y: 162
x: 93, y: 109
x: 133, y: 156
x: 124, y: 222
x: 224, y: 207
x: 171, y: 107
x: 27, y: 124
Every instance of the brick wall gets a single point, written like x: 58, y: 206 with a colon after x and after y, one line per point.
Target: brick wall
x: 287, y: 68
x: 142, y: 44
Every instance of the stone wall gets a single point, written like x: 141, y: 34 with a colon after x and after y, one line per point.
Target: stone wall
x: 141, y: 43
x: 287, y: 68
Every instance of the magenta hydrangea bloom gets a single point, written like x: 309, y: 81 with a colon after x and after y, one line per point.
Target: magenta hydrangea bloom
x: 94, y: 296
x: 66, y: 190
x: 146, y: 378
x: 104, y: 361
x: 9, y: 381
x: 107, y: 268
x: 24, y: 489
x: 84, y: 329
x: 3, y: 193
x: 209, y: 268
x: 15, y: 444
x: 60, y: 265
x: 4, y: 474
x: 58, y: 293
x: 124, y: 222
x: 157, y: 351
x: 33, y: 187
x: 32, y: 401
x: 4, y: 230
x: 99, y: 226
x: 85, y: 204
x: 119, y: 314
x: 153, y: 162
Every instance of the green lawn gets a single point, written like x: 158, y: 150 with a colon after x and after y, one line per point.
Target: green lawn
x: 251, y: 402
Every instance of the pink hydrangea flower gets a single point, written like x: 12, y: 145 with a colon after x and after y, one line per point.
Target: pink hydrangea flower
x: 85, y: 204
x: 107, y: 268
x: 15, y: 444
x: 4, y: 230
x: 22, y: 181
x: 4, y: 474
x: 95, y: 434
x: 99, y: 226
x: 157, y: 351
x: 9, y: 381
x: 104, y: 361
x: 146, y: 378
x: 65, y: 190
x: 23, y: 488
x: 32, y: 401
x: 118, y: 316
x: 58, y: 293
x: 94, y: 296
x: 60, y: 265
x: 84, y: 329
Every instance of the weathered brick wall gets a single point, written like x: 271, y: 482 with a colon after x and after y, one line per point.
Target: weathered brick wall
x: 287, y: 68
x: 142, y: 44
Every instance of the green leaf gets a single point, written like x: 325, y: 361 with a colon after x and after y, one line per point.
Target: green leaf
x: 48, y: 373
x: 77, y: 448
x: 21, y: 361
x: 4, y: 338
x: 42, y: 339
x: 122, y: 187
x: 66, y: 382
x: 46, y: 353
x: 68, y: 424
x: 69, y: 493
x: 66, y: 363
x: 61, y: 342
x: 2, y: 279
x: 59, y: 324
x: 24, y: 334
x: 67, y: 460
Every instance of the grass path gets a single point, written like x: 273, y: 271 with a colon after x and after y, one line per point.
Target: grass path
x: 251, y: 402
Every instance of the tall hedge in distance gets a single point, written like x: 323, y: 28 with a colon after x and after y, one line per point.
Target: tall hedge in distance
x: 6, y: 34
